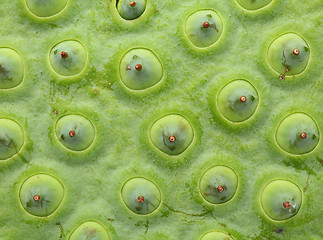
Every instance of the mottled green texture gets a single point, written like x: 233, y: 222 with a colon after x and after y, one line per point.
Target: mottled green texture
x: 11, y: 138
x: 41, y: 194
x: 203, y: 28
x: 11, y: 68
x: 278, y: 192
x: 218, y: 184
x: 46, y: 8
x: 141, y: 195
x: 122, y: 150
x: 140, y: 69
x: 90, y: 230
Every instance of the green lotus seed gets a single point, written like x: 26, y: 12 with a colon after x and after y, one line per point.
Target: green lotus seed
x: 41, y: 194
x: 90, y: 230
x: 298, y: 134
x: 140, y: 69
x: 203, y: 28
x: 216, y: 236
x: 218, y: 184
x: 46, y: 8
x: 238, y: 101
x: 68, y: 58
x: 131, y: 9
x: 141, y: 195
x: 75, y: 132
x: 281, y: 200
x: 11, y: 138
x: 253, y: 4
x: 11, y: 68
x: 288, y: 54
x: 172, y: 134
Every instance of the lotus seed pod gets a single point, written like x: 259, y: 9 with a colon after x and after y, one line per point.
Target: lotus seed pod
x: 216, y: 236
x: 253, y: 4
x: 68, y: 58
x: 11, y: 68
x: 281, y: 200
x: 90, y: 230
x: 238, y: 101
x: 218, y: 184
x: 172, y: 134
x: 203, y: 28
x: 289, y: 54
x: 140, y: 69
x: 141, y: 196
x: 41, y: 194
x: 131, y: 9
x: 298, y: 134
x: 11, y: 138
x: 46, y: 8
x: 75, y: 132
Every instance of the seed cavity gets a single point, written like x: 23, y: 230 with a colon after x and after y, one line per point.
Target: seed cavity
x: 45, y: 9
x: 131, y: 10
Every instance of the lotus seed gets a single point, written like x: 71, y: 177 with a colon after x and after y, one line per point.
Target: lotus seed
x: 131, y: 10
x: 216, y: 236
x: 90, y: 230
x: 46, y: 8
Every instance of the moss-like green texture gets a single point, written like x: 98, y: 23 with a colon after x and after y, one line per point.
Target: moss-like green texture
x: 122, y: 117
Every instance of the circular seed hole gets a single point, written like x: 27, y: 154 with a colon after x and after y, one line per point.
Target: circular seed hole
x: 46, y: 8
x: 203, y: 28
x: 131, y: 9
x: 216, y: 236
x: 253, y: 4
x: 288, y: 54
x: 172, y: 134
x: 140, y: 69
x: 11, y: 68
x: 218, y: 184
x: 68, y: 58
x: 141, y: 195
x: 11, y: 138
x: 238, y: 101
x: 298, y: 134
x: 75, y: 132
x: 281, y: 200
x: 41, y: 194
x: 90, y: 230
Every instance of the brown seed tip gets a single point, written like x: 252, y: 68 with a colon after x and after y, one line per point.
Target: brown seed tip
x: 141, y: 199
x: 303, y: 135
x: 128, y: 68
x: 64, y: 54
x: 281, y: 77
x: 132, y: 3
x: 36, y: 198
x: 172, y: 138
x: 296, y: 51
x: 138, y: 67
x: 55, y: 112
x: 206, y: 24
x: 72, y: 133
x: 243, y: 99
x: 220, y: 189
x: 287, y: 204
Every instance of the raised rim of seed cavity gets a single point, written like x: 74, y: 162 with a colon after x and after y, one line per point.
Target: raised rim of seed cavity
x: 280, y: 179
x: 235, y: 193
x: 41, y: 173
x: 293, y: 154
x: 66, y: 148
x: 48, y: 17
x: 213, y: 44
x: 186, y: 149
x: 24, y: 139
x: 215, y: 102
x: 24, y: 69
x: 145, y: 178
x: 75, y: 75
x: 141, y: 91
x: 281, y: 76
x: 254, y: 10
x: 92, y: 221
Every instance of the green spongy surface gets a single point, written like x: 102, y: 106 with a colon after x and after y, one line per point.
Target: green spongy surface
x: 122, y: 118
